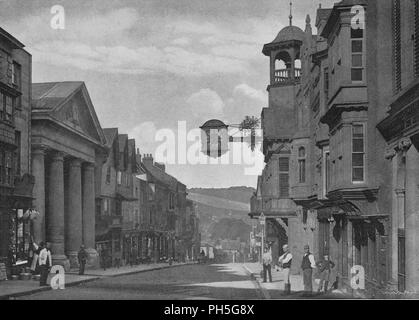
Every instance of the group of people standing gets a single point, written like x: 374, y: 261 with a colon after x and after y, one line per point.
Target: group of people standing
x: 42, y: 261
x: 308, y: 264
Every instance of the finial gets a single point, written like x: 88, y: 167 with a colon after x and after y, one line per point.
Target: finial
x: 308, y: 19
x: 290, y: 13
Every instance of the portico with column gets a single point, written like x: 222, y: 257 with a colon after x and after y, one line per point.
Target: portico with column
x: 66, y: 148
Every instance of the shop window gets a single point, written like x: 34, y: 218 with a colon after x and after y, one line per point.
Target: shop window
x: 302, y: 164
x: 358, y: 153
x: 326, y: 171
x: 357, y: 50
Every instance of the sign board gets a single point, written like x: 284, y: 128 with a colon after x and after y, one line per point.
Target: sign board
x: 262, y: 219
x: 3, y: 273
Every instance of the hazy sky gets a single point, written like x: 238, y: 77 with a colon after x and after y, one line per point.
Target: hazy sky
x: 149, y: 63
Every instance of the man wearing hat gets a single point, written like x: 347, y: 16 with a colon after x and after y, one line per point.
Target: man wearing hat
x: 325, y: 267
x: 284, y: 262
x: 308, y: 264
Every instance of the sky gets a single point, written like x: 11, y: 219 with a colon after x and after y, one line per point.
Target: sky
x: 149, y: 64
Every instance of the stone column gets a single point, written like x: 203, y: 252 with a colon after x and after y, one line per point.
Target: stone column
x: 88, y: 208
x: 74, y: 232
x: 38, y: 170
x: 412, y: 220
x: 55, y: 230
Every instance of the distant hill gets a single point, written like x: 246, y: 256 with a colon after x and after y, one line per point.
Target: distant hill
x: 230, y: 229
x: 223, y: 212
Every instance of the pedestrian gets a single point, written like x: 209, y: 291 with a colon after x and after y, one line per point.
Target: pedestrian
x: 45, y: 263
x: 82, y: 257
x: 325, y: 267
x: 104, y: 255
x: 308, y: 264
x: 267, y: 262
x: 284, y: 262
x: 36, y: 249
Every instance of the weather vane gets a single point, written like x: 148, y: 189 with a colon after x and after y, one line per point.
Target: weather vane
x: 290, y: 13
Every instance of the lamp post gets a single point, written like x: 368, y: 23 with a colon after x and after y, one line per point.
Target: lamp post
x: 262, y: 220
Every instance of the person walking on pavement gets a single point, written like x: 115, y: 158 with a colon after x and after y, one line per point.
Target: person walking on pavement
x: 284, y: 262
x: 325, y: 267
x: 308, y: 264
x: 45, y: 263
x: 267, y: 261
x: 82, y: 257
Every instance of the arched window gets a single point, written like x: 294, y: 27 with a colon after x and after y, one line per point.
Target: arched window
x: 282, y: 67
x: 302, y: 165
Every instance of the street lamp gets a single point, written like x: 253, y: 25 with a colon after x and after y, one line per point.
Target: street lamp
x: 215, y: 136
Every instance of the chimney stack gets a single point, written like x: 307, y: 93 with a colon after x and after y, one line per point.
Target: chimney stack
x: 148, y: 159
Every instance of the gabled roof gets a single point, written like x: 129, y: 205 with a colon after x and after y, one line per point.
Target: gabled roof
x: 161, y: 176
x: 16, y: 44
x: 110, y: 135
x: 123, y: 140
x: 49, y: 97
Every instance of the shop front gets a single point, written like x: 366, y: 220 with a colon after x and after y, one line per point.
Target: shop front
x: 16, y: 226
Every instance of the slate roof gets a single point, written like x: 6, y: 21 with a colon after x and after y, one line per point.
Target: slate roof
x: 161, y: 176
x: 110, y: 134
x: 46, y: 96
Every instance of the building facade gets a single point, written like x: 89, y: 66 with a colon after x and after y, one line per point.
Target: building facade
x: 16, y: 182
x: 68, y: 150
x: 351, y: 137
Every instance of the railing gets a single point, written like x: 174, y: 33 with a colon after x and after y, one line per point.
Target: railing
x: 285, y: 75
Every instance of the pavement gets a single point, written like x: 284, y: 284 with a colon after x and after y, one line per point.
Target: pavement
x: 10, y: 289
x: 275, y: 289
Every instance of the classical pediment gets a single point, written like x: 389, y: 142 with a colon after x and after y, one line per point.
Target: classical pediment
x: 75, y: 113
x: 68, y: 104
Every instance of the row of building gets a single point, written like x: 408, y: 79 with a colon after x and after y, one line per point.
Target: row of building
x: 66, y: 180
x: 341, y: 141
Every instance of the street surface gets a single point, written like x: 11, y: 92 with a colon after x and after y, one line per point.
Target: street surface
x: 229, y: 281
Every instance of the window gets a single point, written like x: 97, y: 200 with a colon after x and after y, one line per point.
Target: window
x: 397, y: 46
x: 302, y: 165
x: 326, y: 85
x: 357, y: 50
x: 358, y: 153
x: 6, y: 107
x: 8, y: 178
x: 284, y: 177
x: 106, y: 207
x: 17, y: 81
x: 108, y: 175
x: 2, y: 158
x: 119, y: 178
x: 326, y: 171
x: 17, y: 152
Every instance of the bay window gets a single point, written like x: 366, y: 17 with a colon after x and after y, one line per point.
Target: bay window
x: 358, y: 153
x: 357, y: 51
